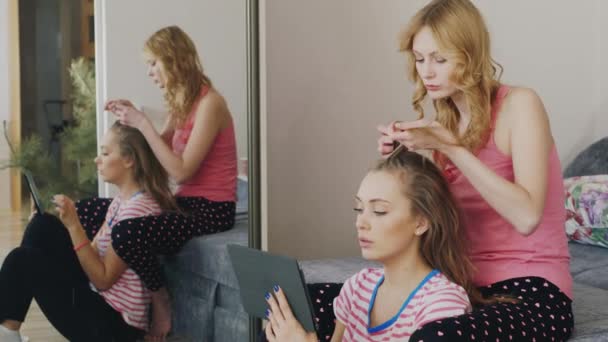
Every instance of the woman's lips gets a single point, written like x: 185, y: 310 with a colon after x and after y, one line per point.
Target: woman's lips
x: 364, y: 243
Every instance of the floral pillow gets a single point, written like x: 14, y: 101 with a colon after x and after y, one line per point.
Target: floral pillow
x: 587, y: 209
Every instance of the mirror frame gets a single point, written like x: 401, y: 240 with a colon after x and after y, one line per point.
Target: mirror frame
x: 253, y: 138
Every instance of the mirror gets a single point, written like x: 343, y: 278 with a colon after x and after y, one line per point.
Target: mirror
x: 204, y: 300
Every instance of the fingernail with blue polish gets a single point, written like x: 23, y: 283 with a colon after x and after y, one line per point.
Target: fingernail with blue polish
x: 276, y: 288
x: 267, y: 313
x: 267, y: 295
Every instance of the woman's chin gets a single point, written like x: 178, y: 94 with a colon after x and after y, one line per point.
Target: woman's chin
x: 369, y: 255
x: 106, y: 179
x: 437, y: 95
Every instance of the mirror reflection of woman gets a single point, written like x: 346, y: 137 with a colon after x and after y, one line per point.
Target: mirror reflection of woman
x: 196, y: 146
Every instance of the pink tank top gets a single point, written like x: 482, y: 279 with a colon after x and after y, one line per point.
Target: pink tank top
x: 499, y: 252
x: 215, y: 178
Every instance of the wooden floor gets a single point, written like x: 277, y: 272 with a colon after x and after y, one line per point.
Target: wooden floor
x: 36, y: 326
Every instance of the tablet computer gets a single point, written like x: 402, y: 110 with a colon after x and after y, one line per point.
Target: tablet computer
x: 29, y: 179
x: 258, y: 271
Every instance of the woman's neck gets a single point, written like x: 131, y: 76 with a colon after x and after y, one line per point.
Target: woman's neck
x: 127, y: 189
x: 405, y: 270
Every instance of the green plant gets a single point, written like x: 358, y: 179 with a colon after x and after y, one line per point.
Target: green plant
x: 77, y: 174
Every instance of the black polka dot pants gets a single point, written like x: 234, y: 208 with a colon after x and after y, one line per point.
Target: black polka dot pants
x: 322, y: 298
x: 92, y: 213
x: 139, y: 241
x: 543, y: 313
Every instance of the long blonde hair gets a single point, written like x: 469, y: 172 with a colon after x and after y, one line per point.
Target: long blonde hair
x: 443, y: 245
x: 184, y: 74
x: 460, y: 31
x: 147, y: 170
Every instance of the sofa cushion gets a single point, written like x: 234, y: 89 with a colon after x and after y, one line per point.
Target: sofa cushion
x: 590, y: 314
x: 230, y: 325
x: 207, y: 256
x: 589, y: 265
x: 205, y: 310
x: 333, y: 270
x: 202, y: 284
x: 587, y: 209
x: 591, y: 161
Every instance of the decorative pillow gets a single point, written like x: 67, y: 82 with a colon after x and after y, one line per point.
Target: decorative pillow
x: 587, y: 209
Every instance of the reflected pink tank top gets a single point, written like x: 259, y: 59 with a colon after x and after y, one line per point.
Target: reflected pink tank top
x: 215, y: 178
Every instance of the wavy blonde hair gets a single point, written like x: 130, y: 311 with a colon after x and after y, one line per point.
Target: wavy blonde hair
x: 183, y: 71
x: 460, y: 31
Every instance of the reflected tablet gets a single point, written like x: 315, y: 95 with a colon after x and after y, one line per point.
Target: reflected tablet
x: 27, y: 174
x: 257, y: 272
x: 33, y: 190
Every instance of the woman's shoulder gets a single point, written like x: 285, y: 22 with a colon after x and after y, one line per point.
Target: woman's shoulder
x: 142, y: 205
x: 213, y: 106
x: 213, y: 101
x: 441, y: 280
x: 441, y: 298
x: 366, y: 277
x: 521, y: 101
x: 441, y: 287
x: 521, y: 106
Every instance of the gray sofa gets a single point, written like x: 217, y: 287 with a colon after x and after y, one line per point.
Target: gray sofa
x: 205, y: 296
x: 207, y: 302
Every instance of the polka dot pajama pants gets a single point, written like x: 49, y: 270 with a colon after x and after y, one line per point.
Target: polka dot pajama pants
x: 139, y: 241
x: 543, y: 313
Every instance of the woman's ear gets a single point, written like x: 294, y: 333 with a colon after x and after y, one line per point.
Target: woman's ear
x: 128, y: 162
x: 422, y: 225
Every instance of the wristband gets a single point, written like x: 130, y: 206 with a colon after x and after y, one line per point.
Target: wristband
x: 79, y: 247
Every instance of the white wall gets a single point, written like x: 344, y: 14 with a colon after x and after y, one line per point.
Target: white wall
x: 5, y: 99
x: 559, y: 54
x: 332, y: 72
x: 600, y: 87
x: 217, y: 28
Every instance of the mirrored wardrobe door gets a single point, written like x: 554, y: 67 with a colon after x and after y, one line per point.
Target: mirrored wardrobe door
x: 205, y: 302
